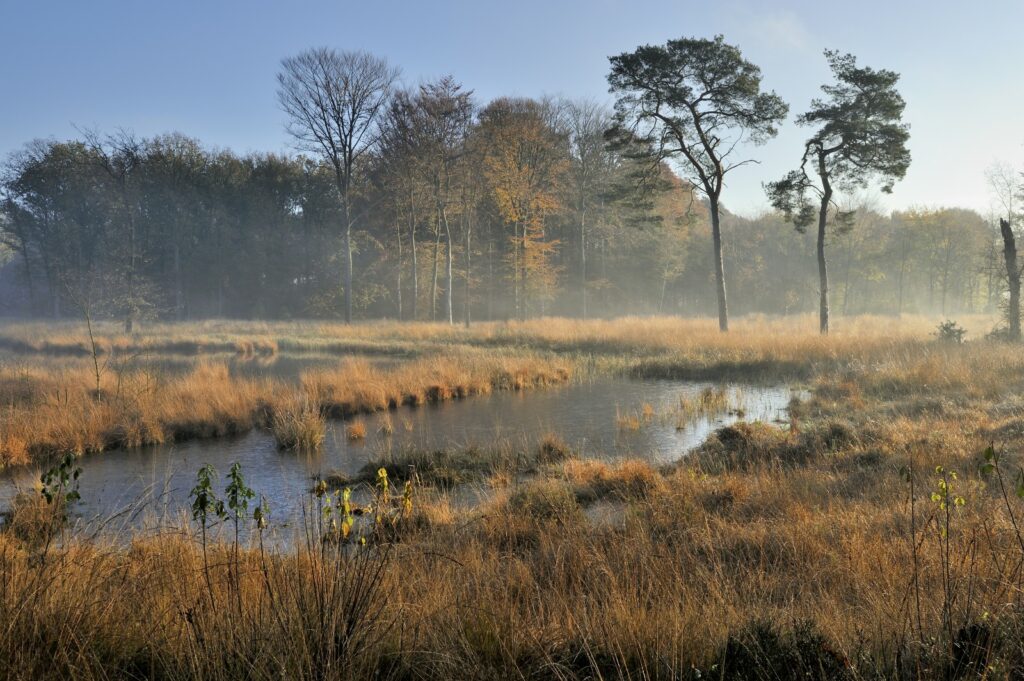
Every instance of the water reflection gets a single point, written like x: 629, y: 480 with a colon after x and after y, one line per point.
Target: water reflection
x: 587, y: 416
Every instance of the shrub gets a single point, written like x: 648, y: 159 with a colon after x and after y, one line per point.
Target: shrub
x: 950, y: 332
x: 31, y: 519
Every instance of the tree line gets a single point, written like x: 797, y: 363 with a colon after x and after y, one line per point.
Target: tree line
x: 423, y: 203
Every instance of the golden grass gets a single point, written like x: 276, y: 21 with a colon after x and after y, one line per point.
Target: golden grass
x: 710, y: 401
x: 53, y: 412
x: 806, y: 522
x: 356, y: 430
x: 790, y: 336
x: 299, y: 424
x: 591, y: 480
x: 696, y: 559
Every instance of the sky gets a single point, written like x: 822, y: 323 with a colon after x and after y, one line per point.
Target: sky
x: 206, y: 68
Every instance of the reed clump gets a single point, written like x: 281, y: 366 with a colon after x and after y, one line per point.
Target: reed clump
x: 299, y: 425
x: 356, y: 430
x: 593, y: 480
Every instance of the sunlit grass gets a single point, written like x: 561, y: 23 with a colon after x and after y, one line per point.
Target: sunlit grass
x: 808, y: 521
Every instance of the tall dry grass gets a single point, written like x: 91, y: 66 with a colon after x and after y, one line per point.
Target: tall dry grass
x: 823, y: 548
x: 49, y: 413
x: 530, y: 586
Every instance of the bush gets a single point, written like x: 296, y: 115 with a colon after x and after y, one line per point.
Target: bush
x: 950, y: 332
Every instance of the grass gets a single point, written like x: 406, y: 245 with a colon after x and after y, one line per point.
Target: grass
x: 832, y: 546
x: 356, y: 430
x: 47, y: 413
x: 450, y: 467
x: 299, y: 425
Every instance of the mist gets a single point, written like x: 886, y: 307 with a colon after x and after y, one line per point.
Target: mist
x: 466, y: 383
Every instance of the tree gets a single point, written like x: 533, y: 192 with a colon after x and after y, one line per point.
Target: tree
x: 1004, y: 185
x: 173, y: 205
x: 694, y: 101
x: 1013, y: 277
x: 60, y: 210
x: 398, y: 179
x: 121, y: 156
x: 445, y: 114
x: 861, y: 137
x: 525, y: 160
x: 333, y: 101
x: 589, y: 172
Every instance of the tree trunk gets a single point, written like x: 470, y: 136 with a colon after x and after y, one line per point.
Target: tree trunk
x: 28, y: 278
x: 846, y: 274
x: 415, y: 273
x: 826, y: 199
x: 347, y: 257
x: 903, y: 268
x: 433, y: 278
x: 1013, y: 277
x: 716, y: 237
x: 129, y: 320
x: 945, y: 273
x: 448, y: 312
x: 398, y: 277
x: 179, y: 298
x: 823, y: 310
x: 583, y: 260
x: 515, y: 270
x: 990, y: 278
x: 523, y: 276
x: 469, y: 259
x: 490, y: 271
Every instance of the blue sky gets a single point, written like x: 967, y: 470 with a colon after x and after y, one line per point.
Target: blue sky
x: 206, y: 68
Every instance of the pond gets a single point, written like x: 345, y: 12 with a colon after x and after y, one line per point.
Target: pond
x: 603, y: 418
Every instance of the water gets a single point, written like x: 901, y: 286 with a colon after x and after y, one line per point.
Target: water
x: 156, y: 481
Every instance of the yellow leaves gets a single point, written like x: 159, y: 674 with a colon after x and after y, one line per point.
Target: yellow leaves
x: 524, y: 164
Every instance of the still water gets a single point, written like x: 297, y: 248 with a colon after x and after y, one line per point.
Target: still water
x: 155, y: 482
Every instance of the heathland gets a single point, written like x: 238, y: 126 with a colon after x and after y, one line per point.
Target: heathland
x: 874, y: 534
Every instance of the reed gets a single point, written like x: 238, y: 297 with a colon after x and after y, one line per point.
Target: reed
x: 299, y: 425
x: 50, y: 412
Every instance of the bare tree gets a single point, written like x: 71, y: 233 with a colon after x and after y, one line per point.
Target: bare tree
x: 1005, y: 187
x: 587, y: 122
x: 334, y: 101
x: 445, y: 114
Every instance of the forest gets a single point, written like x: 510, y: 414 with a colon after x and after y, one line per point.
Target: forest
x: 458, y: 210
